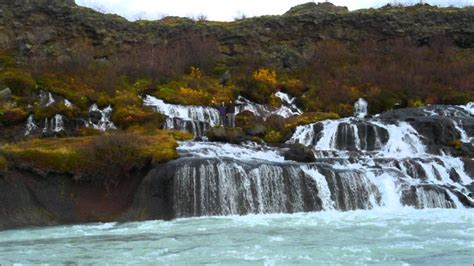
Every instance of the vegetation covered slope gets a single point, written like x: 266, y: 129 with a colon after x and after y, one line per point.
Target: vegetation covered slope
x: 324, y: 55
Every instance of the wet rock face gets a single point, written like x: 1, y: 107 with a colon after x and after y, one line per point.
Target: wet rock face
x: 31, y: 199
x: 371, y: 137
x: 438, y: 125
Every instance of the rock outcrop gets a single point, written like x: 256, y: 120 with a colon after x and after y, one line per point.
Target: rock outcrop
x: 58, y: 28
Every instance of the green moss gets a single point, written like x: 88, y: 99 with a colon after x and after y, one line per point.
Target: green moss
x: 128, y: 116
x: 273, y: 136
x: 19, y: 81
x: 310, y: 118
x: 457, y: 144
x: 106, y: 159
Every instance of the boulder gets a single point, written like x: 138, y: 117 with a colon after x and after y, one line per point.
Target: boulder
x: 257, y: 130
x: 228, y: 135
x: 299, y: 153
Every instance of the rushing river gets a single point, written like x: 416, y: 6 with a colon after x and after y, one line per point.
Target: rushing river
x: 382, y: 236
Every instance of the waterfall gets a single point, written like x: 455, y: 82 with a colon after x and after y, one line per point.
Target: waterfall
x: 188, y: 113
x: 67, y: 103
x: 194, y: 119
x: 58, y: 123
x: 100, y: 118
x: 286, y: 110
x: 46, y: 98
x: 30, y: 125
x: 360, y: 108
x: 464, y: 136
x: 361, y: 164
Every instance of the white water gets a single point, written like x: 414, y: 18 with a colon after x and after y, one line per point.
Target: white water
x: 67, y: 103
x: 104, y: 122
x: 46, y: 98
x: 245, y: 152
x: 383, y: 237
x: 360, y: 108
x: 55, y: 124
x: 288, y: 108
x: 189, y: 113
x: 30, y: 125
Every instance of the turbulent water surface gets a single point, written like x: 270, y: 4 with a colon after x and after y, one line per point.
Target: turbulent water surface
x: 431, y: 236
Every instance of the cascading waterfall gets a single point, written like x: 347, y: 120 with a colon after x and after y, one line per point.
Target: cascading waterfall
x: 195, y: 119
x: 53, y: 125
x: 198, y: 119
x: 360, y: 108
x: 288, y: 108
x: 101, y: 121
x: 361, y: 164
x: 30, y: 125
x: 46, y: 98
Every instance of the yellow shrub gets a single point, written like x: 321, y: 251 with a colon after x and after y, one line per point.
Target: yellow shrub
x: 127, y: 116
x: 266, y: 76
x: 195, y: 72
x: 194, y: 97
x: 415, y: 103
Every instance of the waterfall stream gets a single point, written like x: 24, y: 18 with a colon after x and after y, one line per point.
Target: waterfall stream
x: 362, y: 163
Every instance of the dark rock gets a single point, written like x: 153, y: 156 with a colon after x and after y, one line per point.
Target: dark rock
x: 95, y: 116
x: 258, y: 130
x: 299, y: 153
x: 5, y: 94
x: 229, y: 135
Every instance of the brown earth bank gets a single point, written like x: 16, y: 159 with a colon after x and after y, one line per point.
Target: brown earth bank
x: 30, y: 199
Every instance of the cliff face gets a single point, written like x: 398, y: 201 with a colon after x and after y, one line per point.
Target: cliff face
x: 54, y: 28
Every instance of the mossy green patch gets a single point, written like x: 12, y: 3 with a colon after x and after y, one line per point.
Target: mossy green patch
x: 106, y: 158
x: 20, y: 81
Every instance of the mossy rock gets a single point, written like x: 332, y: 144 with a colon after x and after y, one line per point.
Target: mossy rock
x: 228, y: 135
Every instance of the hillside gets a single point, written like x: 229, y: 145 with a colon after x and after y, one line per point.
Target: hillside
x: 95, y: 110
